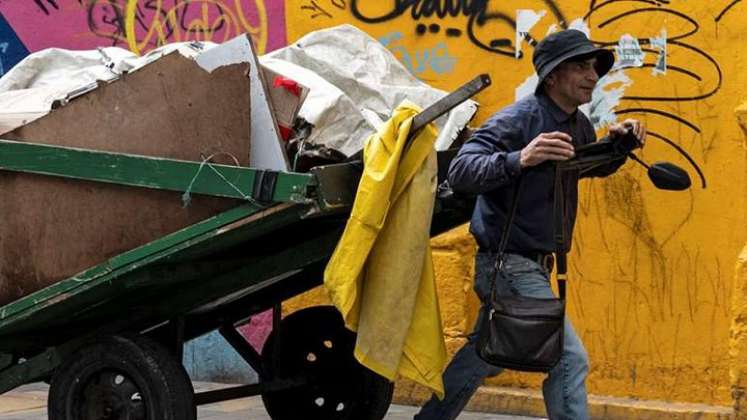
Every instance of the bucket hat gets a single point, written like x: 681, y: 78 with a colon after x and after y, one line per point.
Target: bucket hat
x: 565, y: 45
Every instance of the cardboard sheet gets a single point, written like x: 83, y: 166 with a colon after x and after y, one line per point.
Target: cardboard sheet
x: 54, y: 228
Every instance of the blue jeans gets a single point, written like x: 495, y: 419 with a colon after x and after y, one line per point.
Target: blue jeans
x: 564, y: 389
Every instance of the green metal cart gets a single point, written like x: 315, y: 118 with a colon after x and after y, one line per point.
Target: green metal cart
x: 109, y: 340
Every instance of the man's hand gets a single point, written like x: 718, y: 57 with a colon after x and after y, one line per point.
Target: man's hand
x: 547, y: 146
x: 620, y: 129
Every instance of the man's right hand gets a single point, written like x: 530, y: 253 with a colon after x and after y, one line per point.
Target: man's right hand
x: 547, y: 146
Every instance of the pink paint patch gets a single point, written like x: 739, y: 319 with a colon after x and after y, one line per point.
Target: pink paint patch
x: 258, y: 329
x: 86, y: 25
x: 62, y: 27
x: 277, y: 36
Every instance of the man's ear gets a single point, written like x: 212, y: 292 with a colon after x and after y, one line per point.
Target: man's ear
x: 549, y: 80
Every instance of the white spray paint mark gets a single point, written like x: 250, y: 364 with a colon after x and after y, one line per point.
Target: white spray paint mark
x: 525, y: 21
x: 660, y: 43
x: 580, y: 25
x: 606, y: 96
x: 527, y: 87
x: 629, y: 52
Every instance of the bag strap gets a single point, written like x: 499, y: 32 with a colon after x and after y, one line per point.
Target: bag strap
x: 561, y: 264
x: 559, y: 227
x: 509, y: 221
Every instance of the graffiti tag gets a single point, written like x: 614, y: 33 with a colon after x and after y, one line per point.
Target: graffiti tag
x: 436, y: 59
x: 476, y: 11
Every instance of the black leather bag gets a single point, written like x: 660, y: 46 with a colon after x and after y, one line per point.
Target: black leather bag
x: 519, y: 332
x: 522, y: 333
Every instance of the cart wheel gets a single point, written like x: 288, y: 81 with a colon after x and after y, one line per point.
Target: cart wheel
x: 315, y: 344
x: 121, y: 378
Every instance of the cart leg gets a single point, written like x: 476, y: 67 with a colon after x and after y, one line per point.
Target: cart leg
x: 177, y: 326
x: 244, y: 349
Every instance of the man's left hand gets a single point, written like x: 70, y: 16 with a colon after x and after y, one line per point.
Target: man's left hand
x: 620, y: 129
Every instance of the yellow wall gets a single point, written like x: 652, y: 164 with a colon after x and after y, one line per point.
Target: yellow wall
x: 652, y: 271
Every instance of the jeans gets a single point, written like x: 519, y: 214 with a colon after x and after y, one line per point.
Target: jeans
x: 564, y: 389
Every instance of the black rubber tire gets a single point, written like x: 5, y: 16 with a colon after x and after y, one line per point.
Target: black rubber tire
x: 315, y: 344
x: 121, y: 378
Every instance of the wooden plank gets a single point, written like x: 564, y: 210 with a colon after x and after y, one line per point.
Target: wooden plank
x: 172, y: 108
x: 135, y: 259
x: 94, y: 289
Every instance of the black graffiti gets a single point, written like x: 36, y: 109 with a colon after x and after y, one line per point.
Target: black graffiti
x: 726, y: 9
x: 319, y: 11
x: 43, y: 7
x: 695, y: 25
x: 708, y: 94
x: 316, y: 10
x: 184, y: 14
x: 659, y: 112
x: 675, y: 41
x: 106, y: 19
x: 476, y: 11
x: 682, y: 152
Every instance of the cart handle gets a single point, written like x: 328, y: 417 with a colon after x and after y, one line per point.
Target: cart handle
x: 437, y: 109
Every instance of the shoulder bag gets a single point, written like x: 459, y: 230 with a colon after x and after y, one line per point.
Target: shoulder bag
x: 519, y: 332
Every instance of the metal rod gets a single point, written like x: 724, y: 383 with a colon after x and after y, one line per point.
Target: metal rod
x: 449, y: 102
x: 244, y: 349
x: 177, y: 325
x: 242, y: 391
x: 444, y: 105
x: 225, y: 394
x: 439, y: 108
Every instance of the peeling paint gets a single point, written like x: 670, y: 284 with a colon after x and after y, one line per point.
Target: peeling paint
x: 606, y: 97
x: 629, y: 52
x: 659, y: 43
x: 525, y: 21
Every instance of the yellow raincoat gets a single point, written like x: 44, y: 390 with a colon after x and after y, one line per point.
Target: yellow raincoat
x: 380, y: 276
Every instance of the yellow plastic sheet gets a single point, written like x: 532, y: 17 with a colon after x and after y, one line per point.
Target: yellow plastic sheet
x: 380, y: 276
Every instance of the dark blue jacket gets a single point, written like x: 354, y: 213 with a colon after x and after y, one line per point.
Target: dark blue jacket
x: 488, y: 166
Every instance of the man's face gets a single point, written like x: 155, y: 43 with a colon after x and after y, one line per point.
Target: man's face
x: 573, y: 81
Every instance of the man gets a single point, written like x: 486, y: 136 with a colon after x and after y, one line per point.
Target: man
x: 524, y: 140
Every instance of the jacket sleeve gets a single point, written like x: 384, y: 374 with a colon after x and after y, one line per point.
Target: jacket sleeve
x: 489, y: 159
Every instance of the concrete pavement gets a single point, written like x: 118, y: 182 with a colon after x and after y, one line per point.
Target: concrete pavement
x: 29, y: 403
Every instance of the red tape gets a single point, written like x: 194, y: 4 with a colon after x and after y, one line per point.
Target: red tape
x: 285, y: 132
x: 287, y: 84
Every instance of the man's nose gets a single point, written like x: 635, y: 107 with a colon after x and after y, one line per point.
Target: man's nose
x: 591, y: 74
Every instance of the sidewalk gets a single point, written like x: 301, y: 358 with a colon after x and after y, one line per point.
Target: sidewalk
x: 29, y: 403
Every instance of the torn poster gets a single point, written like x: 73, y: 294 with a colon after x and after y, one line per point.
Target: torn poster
x: 527, y: 87
x: 659, y: 43
x: 629, y: 52
x: 580, y: 24
x: 606, y: 97
x: 525, y: 20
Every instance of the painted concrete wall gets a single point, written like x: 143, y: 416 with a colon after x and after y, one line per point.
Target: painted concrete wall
x: 652, y: 285
x: 652, y: 271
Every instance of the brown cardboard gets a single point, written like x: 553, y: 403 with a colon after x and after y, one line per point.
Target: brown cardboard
x: 53, y: 228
